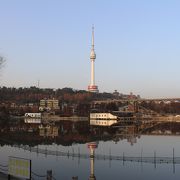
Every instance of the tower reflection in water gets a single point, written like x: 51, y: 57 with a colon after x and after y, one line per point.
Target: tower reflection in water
x: 92, y: 146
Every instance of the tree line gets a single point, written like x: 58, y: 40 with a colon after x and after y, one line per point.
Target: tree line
x: 162, y: 107
x: 34, y: 95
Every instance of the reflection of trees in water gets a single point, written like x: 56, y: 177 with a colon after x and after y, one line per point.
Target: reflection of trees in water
x: 164, y: 128
x: 21, y: 135
x: 67, y: 138
x: 81, y: 133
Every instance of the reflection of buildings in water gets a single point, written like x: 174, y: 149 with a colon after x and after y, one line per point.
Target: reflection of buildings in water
x: 92, y: 146
x: 48, y: 131
x: 66, y: 127
x: 132, y: 140
x: 102, y: 131
x: 129, y: 133
x: 63, y: 128
x: 68, y: 132
x: 103, y: 119
x: 32, y: 120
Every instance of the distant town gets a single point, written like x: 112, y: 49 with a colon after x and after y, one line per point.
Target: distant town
x: 68, y: 102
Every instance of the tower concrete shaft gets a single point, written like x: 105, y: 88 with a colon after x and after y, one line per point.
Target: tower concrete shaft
x: 92, y: 176
x: 92, y: 74
x: 92, y: 146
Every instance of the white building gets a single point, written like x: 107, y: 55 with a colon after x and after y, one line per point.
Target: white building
x: 103, y: 119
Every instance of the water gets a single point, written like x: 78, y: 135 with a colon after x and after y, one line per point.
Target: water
x: 110, y: 143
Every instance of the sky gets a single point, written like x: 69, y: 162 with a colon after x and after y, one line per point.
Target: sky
x: 137, y: 44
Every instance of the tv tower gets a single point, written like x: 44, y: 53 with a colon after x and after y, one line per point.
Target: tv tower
x: 92, y: 146
x: 92, y: 87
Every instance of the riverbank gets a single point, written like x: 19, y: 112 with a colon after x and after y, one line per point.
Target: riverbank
x: 60, y: 118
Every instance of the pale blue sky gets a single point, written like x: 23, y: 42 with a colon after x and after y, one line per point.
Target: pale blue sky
x: 137, y: 43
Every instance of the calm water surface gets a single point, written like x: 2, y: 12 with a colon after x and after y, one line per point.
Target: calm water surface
x: 65, y: 167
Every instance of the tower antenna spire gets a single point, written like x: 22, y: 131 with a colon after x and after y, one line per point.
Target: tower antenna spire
x: 93, y: 36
